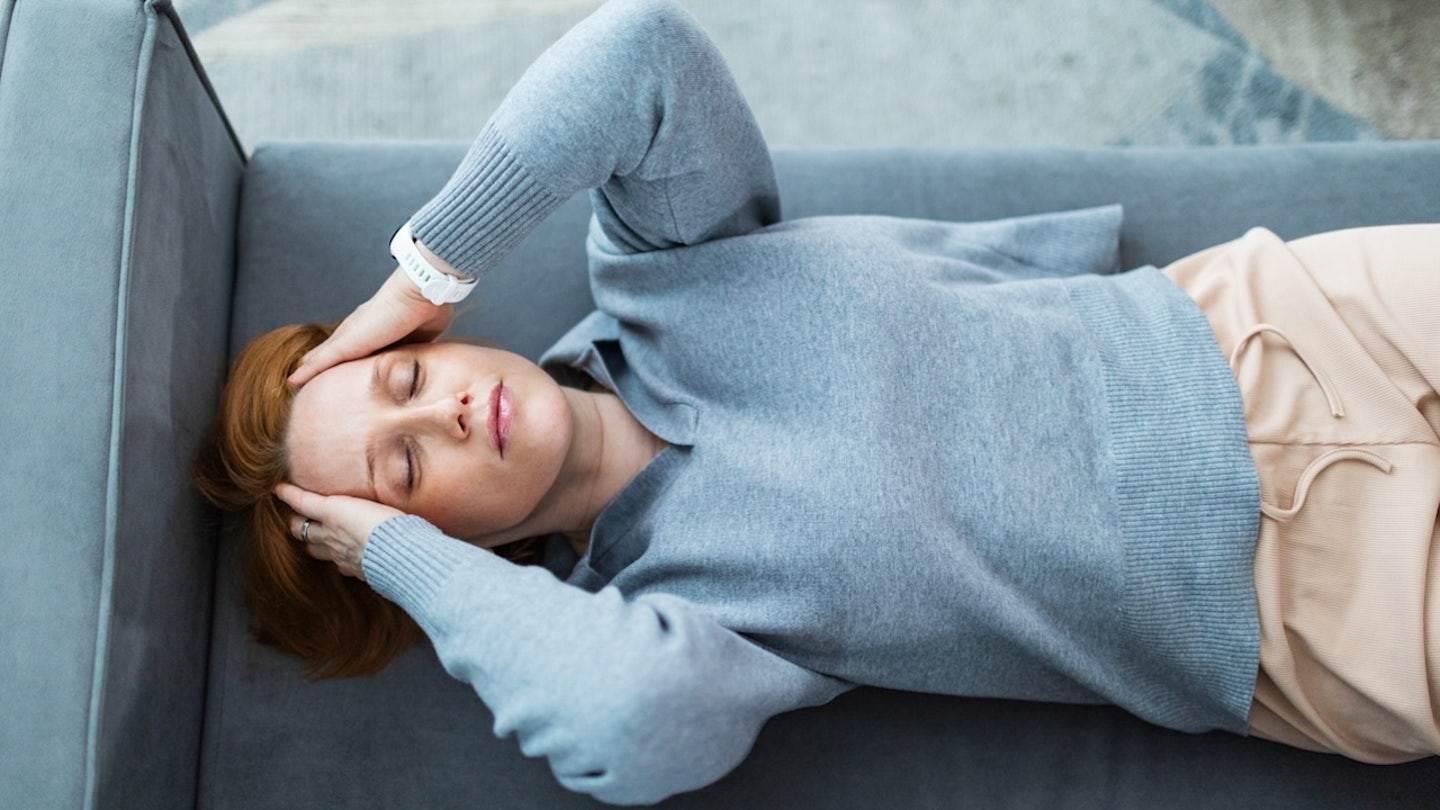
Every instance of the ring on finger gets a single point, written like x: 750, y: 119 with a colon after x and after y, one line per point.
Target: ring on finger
x: 305, y: 531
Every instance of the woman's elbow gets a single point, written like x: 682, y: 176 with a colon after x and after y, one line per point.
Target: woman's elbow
x: 649, y: 749
x: 628, y: 779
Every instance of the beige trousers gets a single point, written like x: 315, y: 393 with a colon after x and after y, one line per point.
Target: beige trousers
x: 1335, y: 342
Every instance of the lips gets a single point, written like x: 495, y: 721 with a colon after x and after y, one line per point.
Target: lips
x: 499, y: 421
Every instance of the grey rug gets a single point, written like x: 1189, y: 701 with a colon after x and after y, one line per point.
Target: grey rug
x: 817, y: 72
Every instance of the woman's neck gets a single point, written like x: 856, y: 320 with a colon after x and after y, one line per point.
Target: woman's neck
x: 608, y: 448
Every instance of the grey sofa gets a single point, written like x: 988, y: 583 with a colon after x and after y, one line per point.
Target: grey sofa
x: 139, y: 248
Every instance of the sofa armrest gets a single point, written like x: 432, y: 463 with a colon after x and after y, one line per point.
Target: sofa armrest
x: 119, y: 177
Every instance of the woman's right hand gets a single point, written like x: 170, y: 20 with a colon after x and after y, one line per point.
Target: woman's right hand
x: 397, y: 311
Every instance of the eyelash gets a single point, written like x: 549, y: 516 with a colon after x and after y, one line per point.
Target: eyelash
x: 409, y: 468
x: 410, y: 451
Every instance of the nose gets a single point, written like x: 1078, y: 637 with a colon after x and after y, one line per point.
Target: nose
x: 446, y: 416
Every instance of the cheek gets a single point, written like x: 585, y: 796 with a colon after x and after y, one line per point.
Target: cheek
x: 472, y: 519
x: 443, y: 500
x: 470, y: 500
x: 465, y: 499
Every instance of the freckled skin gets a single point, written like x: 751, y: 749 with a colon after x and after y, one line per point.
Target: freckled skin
x: 462, y: 483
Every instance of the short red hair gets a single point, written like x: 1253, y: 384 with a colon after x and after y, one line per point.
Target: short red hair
x: 337, y: 624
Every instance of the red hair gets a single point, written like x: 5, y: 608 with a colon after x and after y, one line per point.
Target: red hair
x: 337, y: 624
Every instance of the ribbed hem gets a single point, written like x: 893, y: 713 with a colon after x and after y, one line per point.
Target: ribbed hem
x: 1189, y: 500
x: 407, y: 560
x: 485, y: 210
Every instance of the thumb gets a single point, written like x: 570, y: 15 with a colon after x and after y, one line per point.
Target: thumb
x: 303, y: 372
x: 327, y: 354
x: 393, y: 313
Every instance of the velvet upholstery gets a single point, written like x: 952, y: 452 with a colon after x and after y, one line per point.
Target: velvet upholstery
x: 118, y: 192
x: 121, y: 687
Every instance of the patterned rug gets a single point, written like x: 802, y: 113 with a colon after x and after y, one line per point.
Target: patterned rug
x: 817, y: 72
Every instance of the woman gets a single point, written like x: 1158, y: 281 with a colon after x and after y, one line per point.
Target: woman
x: 794, y: 457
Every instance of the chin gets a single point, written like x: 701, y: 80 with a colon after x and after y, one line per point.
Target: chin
x: 510, y: 492
x: 546, y: 425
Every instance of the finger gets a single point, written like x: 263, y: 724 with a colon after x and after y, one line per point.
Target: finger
x: 303, y: 501
x: 332, y: 352
x: 302, y: 373
x: 310, y: 542
x: 309, y: 535
x: 315, y: 361
x: 351, y: 340
x: 393, y: 313
x: 317, y: 551
x: 342, y: 344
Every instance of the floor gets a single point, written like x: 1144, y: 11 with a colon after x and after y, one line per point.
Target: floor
x: 1378, y: 59
x: 864, y: 72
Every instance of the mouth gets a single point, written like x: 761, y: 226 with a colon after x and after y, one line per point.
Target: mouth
x: 499, y: 421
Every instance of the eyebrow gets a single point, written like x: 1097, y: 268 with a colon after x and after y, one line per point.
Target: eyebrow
x: 377, y: 386
x: 370, y: 470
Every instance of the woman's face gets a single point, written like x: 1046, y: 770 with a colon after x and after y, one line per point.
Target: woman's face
x: 466, y: 437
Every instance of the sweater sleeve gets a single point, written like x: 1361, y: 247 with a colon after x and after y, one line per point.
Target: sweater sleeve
x: 634, y: 102
x: 630, y: 701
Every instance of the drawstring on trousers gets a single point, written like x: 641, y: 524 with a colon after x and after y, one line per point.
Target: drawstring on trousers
x: 1337, y: 409
x: 1313, y: 470
x: 1331, y: 395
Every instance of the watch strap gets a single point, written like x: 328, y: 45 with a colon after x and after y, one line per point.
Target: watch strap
x: 435, y: 284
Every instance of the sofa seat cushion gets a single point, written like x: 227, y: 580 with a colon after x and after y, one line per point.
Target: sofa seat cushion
x: 315, y: 222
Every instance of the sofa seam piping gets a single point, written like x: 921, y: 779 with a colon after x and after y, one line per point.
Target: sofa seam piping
x: 117, y: 421
x: 6, y: 12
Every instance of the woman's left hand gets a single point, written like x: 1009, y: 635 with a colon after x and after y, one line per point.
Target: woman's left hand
x: 339, y: 525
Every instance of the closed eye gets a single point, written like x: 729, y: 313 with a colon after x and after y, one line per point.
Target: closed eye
x: 409, y: 468
x: 412, y: 466
x: 414, y: 377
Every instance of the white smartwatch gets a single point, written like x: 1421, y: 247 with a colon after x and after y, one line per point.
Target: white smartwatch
x: 435, y: 284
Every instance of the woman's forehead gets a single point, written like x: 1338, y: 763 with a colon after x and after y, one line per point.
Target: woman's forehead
x: 337, y: 379
x: 331, y: 419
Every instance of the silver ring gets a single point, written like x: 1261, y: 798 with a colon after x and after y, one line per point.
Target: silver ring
x: 305, y: 531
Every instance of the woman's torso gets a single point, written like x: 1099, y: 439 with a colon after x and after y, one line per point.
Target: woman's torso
x: 906, y: 455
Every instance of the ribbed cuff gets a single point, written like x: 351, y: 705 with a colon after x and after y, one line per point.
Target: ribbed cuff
x: 407, y: 560
x: 485, y: 210
x: 1189, y: 496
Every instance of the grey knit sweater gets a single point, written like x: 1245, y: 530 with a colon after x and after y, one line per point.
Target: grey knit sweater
x: 932, y: 456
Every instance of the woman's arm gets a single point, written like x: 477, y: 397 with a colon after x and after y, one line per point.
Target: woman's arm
x: 631, y: 701
x: 636, y: 102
